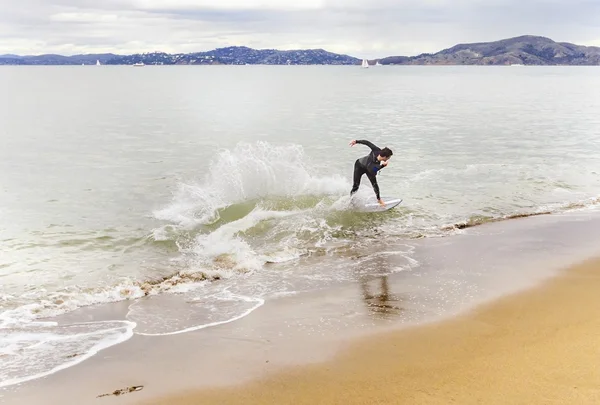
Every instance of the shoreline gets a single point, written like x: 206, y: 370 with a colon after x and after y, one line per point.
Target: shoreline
x: 530, y: 347
x: 455, y: 278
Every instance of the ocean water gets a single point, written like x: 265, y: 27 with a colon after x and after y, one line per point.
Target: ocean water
x: 216, y: 189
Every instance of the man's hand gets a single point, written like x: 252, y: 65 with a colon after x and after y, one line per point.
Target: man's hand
x: 352, y: 143
x: 380, y: 201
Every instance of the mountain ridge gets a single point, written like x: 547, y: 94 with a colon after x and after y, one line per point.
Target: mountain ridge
x: 521, y: 50
x: 232, y: 55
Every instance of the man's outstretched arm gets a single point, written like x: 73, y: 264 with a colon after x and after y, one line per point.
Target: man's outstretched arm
x: 364, y: 142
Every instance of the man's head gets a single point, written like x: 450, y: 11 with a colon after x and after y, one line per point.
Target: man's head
x: 385, y: 154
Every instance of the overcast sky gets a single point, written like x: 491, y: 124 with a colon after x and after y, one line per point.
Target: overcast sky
x: 362, y: 28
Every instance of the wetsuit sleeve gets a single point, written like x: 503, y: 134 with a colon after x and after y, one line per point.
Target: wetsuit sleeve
x: 369, y: 144
x: 373, y: 181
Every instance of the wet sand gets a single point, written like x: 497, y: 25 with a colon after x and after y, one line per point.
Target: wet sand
x: 540, y: 346
x: 529, y: 335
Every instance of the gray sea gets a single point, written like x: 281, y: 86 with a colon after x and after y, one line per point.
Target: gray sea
x: 218, y: 188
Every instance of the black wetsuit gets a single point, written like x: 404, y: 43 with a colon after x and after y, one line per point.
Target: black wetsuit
x: 368, y: 165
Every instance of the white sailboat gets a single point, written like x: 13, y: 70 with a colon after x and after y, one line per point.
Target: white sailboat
x: 97, y: 63
x: 365, y: 63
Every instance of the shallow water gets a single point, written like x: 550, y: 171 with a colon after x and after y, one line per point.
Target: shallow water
x: 217, y: 188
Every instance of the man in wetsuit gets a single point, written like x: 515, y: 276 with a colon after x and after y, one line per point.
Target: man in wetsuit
x: 370, y: 165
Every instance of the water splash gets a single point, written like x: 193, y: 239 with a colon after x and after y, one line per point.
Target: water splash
x: 250, y: 171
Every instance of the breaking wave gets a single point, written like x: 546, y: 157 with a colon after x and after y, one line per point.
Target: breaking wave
x: 248, y: 173
x: 477, y: 220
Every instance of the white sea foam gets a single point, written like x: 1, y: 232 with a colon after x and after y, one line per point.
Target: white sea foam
x: 248, y: 172
x: 33, y: 351
x: 207, y: 308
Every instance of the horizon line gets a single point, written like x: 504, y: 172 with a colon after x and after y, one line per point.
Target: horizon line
x: 10, y: 54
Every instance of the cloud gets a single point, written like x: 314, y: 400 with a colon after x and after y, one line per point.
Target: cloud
x: 363, y: 28
x: 230, y: 4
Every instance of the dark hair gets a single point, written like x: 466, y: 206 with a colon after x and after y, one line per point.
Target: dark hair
x: 386, y: 152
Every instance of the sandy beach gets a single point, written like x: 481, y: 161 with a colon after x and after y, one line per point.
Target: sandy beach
x: 504, y: 313
x: 539, y: 346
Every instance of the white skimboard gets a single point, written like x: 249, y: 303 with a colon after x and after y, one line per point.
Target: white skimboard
x: 371, y: 205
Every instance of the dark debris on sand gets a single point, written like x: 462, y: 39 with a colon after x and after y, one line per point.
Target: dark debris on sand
x: 123, y: 391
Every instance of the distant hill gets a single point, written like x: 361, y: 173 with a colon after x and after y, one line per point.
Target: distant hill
x: 525, y: 50
x: 49, y: 59
x: 240, y: 55
x: 235, y: 55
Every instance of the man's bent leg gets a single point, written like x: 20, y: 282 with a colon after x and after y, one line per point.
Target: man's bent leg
x: 358, y: 172
x: 373, y: 180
